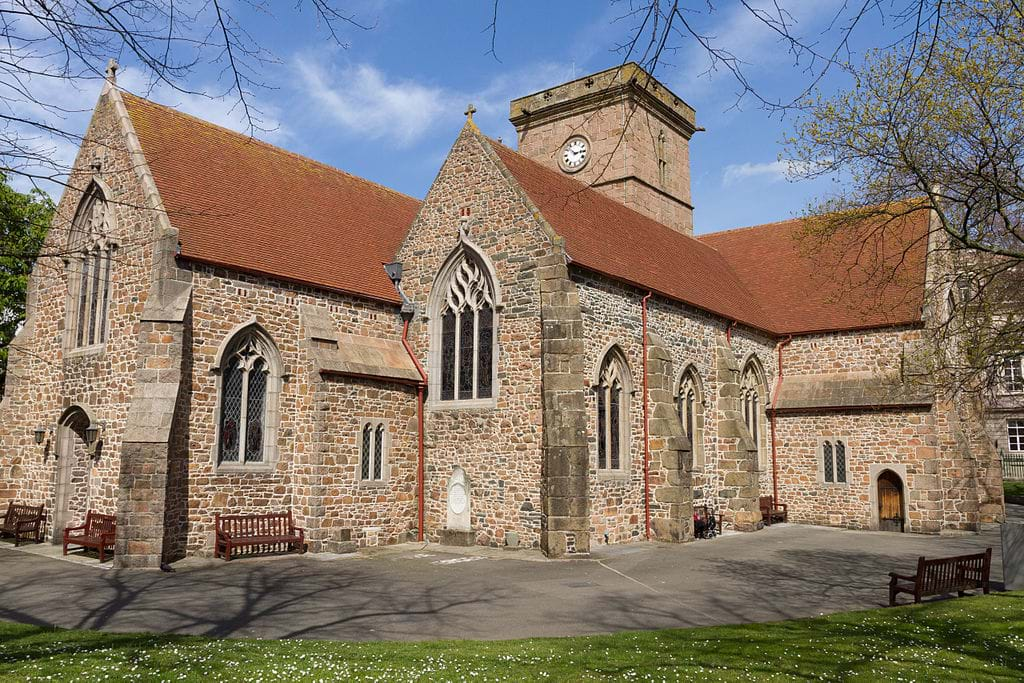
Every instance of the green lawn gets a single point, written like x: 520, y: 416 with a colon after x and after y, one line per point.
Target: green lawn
x: 1013, y: 488
x: 975, y: 638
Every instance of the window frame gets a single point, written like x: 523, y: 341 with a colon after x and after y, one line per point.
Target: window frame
x: 275, y: 377
x: 602, y: 423
x: 753, y: 406
x: 437, y: 305
x: 90, y: 273
x: 1015, y: 425
x: 690, y: 375
x: 1012, y: 385
x: 819, y: 454
x: 375, y: 424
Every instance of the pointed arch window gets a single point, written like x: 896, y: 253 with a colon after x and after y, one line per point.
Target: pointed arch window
x: 372, y: 451
x: 690, y: 401
x: 91, y: 251
x: 464, y: 314
x: 613, y: 392
x: 752, y: 391
x: 249, y: 388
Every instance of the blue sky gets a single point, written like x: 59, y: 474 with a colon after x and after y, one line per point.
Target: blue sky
x: 389, y: 106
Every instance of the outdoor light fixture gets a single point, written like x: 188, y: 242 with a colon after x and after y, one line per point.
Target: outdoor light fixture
x: 39, y: 433
x: 92, y: 436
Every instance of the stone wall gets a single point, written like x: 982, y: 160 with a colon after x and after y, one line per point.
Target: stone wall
x: 499, y: 446
x: 314, y: 442
x: 612, y: 315
x: 47, y: 376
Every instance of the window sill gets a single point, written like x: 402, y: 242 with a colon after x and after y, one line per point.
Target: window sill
x: 474, y: 404
x: 835, y: 484
x: 254, y: 468
x: 612, y: 475
x: 372, y: 483
x: 85, y: 351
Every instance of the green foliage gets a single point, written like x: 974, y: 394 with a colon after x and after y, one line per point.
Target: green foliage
x: 1013, y: 488
x: 974, y: 638
x: 24, y: 220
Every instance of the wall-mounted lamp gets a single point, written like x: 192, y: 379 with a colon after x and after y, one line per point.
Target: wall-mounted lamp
x: 92, y: 436
x: 39, y: 433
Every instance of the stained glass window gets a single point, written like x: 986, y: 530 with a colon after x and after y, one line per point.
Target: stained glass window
x: 231, y: 412
x: 364, y: 468
x: 448, y: 356
x: 256, y: 399
x: 466, y: 355
x: 484, y: 370
x: 245, y: 384
x: 611, y: 413
x: 89, y: 284
x: 840, y: 462
x: 467, y: 336
x: 378, y: 453
x: 826, y: 449
x: 614, y: 418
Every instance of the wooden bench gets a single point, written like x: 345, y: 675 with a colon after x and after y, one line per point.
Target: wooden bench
x: 271, y: 532
x: 98, y: 532
x: 770, y: 512
x: 944, y: 575
x: 24, y: 522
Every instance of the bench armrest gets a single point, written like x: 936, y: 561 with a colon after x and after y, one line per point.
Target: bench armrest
x: 111, y: 534
x: 301, y: 531
x: 73, y: 528
x: 902, y: 576
x: 782, y: 506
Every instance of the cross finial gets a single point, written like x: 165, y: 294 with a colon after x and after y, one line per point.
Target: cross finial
x: 112, y: 67
x: 470, y: 110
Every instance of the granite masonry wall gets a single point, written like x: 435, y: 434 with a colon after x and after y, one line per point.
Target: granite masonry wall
x: 47, y: 376
x: 499, y: 446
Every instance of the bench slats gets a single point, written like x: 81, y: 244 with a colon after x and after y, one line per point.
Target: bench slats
x: 268, y: 532
x: 944, y: 575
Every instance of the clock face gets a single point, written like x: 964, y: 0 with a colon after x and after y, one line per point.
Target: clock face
x: 575, y: 153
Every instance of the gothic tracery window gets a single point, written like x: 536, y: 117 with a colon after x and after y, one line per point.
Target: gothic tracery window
x: 752, y: 392
x: 612, y: 412
x: 691, y: 412
x: 371, y: 452
x: 91, y: 252
x: 466, y: 317
x: 833, y: 466
x: 246, y: 400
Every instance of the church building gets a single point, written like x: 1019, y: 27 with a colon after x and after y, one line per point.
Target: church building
x: 540, y: 353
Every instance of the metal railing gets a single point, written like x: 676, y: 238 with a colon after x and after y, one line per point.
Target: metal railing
x: 1013, y: 467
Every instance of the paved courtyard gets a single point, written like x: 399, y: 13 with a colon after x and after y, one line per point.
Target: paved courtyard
x: 413, y: 592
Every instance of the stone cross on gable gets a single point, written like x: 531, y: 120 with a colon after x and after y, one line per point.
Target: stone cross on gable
x: 470, y: 110
x: 112, y: 67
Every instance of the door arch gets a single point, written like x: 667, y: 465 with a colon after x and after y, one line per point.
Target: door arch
x: 73, y: 474
x: 891, y: 501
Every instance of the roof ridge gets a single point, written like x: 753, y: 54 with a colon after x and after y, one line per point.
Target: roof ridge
x: 752, y: 227
x: 269, y: 146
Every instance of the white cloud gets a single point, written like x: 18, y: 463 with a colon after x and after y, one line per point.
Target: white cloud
x: 771, y: 171
x: 362, y: 100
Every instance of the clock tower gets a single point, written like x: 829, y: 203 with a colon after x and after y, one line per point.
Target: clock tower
x: 619, y: 131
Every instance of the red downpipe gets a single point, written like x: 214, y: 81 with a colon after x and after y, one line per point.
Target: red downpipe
x: 647, y: 444
x: 420, y: 388
x: 728, y: 333
x: 775, y: 398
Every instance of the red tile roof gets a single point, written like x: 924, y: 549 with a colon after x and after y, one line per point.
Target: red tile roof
x: 253, y: 207
x: 605, y: 236
x: 872, y: 275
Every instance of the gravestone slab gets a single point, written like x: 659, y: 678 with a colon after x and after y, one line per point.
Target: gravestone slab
x: 1013, y: 555
x: 459, y: 530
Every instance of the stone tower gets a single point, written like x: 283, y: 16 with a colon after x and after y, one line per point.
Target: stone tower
x: 619, y: 131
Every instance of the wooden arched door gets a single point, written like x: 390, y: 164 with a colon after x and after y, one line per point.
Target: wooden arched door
x: 890, y: 502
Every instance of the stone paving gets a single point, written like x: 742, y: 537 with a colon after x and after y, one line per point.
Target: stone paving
x: 412, y: 592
